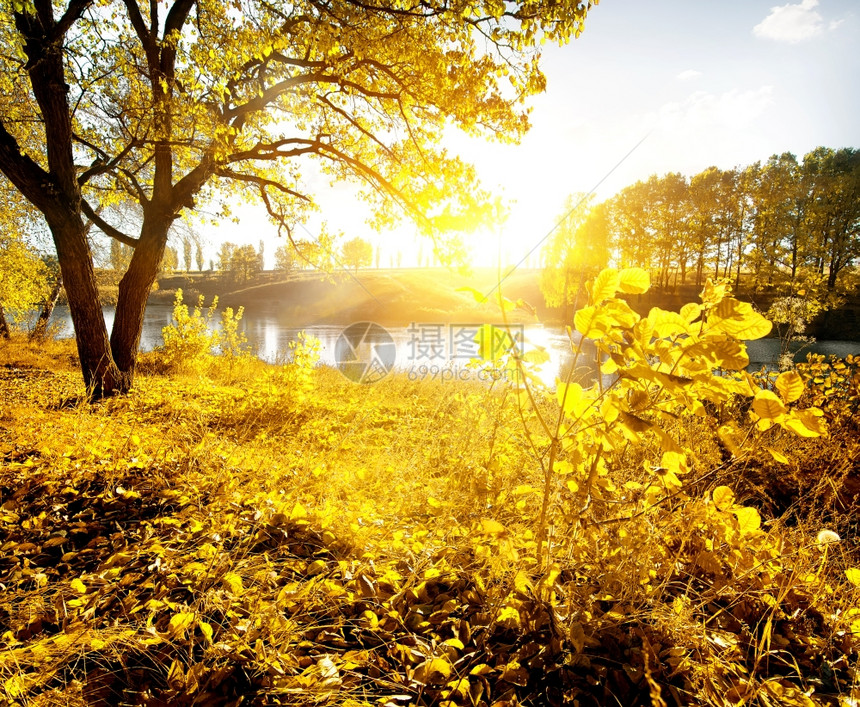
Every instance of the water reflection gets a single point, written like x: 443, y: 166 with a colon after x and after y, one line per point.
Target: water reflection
x: 270, y: 336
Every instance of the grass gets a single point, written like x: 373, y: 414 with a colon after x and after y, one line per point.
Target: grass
x: 278, y: 535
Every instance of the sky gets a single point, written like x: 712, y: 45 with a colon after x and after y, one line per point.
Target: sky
x: 648, y: 88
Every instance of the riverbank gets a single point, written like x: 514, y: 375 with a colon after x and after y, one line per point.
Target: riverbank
x: 397, y: 297
x: 288, y: 536
x: 388, y: 297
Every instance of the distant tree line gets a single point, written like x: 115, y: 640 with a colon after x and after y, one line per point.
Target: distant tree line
x: 777, y: 222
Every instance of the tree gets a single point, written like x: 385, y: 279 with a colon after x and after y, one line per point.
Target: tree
x: 149, y: 103
x: 285, y: 258
x: 356, y: 253
x: 834, y: 208
x: 225, y: 255
x: 187, y: 252
x: 169, y: 262
x: 120, y: 255
x: 245, y: 262
x: 23, y: 273
x: 198, y: 254
x: 576, y: 248
x: 40, y: 329
x: 23, y: 278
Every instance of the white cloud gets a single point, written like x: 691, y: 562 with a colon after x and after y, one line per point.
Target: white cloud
x: 688, y: 74
x: 730, y: 110
x: 793, y: 23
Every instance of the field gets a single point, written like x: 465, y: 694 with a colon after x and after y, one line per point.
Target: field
x: 237, y: 533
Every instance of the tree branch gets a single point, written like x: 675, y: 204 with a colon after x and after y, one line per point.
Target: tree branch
x: 25, y: 173
x: 261, y: 182
x: 105, y: 227
x: 72, y: 14
x: 147, y: 40
x: 357, y: 125
x: 272, y: 150
x: 374, y: 178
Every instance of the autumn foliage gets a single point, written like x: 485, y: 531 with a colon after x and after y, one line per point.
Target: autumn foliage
x: 286, y: 537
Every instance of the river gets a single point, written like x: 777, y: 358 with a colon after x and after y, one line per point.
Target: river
x: 427, y: 350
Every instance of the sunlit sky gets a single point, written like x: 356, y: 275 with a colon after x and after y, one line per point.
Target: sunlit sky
x: 704, y: 83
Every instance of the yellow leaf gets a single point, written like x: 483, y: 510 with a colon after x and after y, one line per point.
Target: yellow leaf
x: 524, y: 489
x: 634, y: 281
x: 789, y: 385
x: 79, y: 586
x: 180, y: 622
x: 492, y: 527
x: 779, y: 456
x: 749, y: 520
x: 576, y: 633
x: 481, y: 669
x: 605, y: 285
x: 206, y: 630
x: 298, y: 512
x: 584, y: 321
x: 232, y: 582
x: 434, y: 670
x: 97, y: 644
x: 515, y: 674
x: 724, y: 497
x: 767, y: 406
x: 522, y: 583
x: 690, y: 312
x: 667, y: 324
x: 739, y: 319
x: 723, y: 352
x: 618, y: 313
x: 853, y: 575
x: 675, y: 462
x: 569, y: 396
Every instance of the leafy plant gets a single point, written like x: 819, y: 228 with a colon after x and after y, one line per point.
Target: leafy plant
x: 189, y: 339
x: 653, y: 372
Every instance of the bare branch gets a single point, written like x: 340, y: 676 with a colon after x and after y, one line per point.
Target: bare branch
x: 105, y: 227
x: 356, y: 124
x: 261, y: 182
x: 147, y: 40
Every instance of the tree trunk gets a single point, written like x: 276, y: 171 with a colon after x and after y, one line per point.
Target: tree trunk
x: 134, y: 289
x: 4, y: 325
x: 102, y: 377
x: 41, y: 328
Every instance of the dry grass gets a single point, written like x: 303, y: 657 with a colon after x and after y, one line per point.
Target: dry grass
x: 287, y: 537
